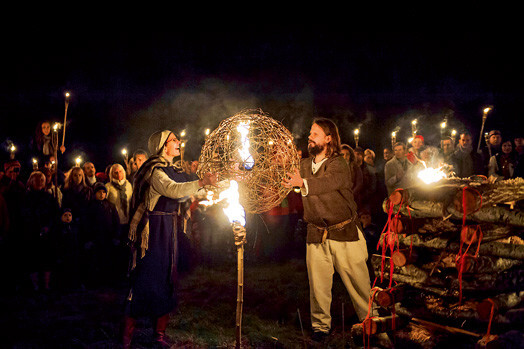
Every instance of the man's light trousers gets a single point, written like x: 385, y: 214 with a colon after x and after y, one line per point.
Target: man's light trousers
x: 348, y: 258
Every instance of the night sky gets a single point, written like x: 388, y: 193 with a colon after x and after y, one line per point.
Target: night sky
x: 126, y: 86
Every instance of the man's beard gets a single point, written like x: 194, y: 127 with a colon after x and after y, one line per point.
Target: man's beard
x: 315, y: 149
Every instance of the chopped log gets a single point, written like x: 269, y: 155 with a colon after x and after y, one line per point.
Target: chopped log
x: 487, y: 214
x: 501, y: 302
x: 376, y: 325
x: 404, y: 256
x: 468, y: 198
x: 388, y: 297
x: 491, y: 341
x: 487, y: 264
x: 492, y: 248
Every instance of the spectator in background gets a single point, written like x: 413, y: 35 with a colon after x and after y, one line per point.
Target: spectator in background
x: 492, y: 147
x: 42, y: 145
x: 370, y: 230
x: 464, y: 160
x: 90, y: 173
x: 398, y: 170
x: 139, y: 157
x: 494, y: 142
x: 68, y: 251
x: 387, y: 155
x: 50, y: 163
x: 13, y: 192
x: 367, y: 180
x: 354, y: 170
x: 417, y: 146
x: 502, y: 165
x: 519, y: 149
x: 381, y: 184
x: 76, y: 196
x: 446, y: 151
x: 373, y: 202
x: 193, y: 170
x: 50, y: 186
x: 119, y: 192
x: 39, y: 212
x: 103, y: 255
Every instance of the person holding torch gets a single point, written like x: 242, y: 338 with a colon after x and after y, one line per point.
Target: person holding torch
x: 158, y: 212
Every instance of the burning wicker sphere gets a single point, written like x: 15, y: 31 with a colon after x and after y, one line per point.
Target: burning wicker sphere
x: 256, y: 151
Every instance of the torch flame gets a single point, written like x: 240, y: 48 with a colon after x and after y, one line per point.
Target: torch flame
x: 247, y: 159
x: 234, y: 211
x: 431, y: 175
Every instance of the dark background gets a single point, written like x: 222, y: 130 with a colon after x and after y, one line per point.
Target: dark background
x: 127, y: 85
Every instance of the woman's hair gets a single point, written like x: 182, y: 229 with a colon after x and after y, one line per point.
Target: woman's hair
x: 69, y: 178
x: 352, y: 156
x: 330, y: 129
x: 32, y: 178
x: 113, y: 167
x: 39, y: 135
x: 370, y: 152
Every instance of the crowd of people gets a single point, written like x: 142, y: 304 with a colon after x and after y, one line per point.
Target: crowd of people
x: 65, y: 229
x: 70, y: 228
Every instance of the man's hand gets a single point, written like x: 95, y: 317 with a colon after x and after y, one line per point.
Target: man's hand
x: 208, y: 179
x: 294, y: 180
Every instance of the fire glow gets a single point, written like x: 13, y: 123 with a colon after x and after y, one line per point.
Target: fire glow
x: 233, y: 210
x: 431, y: 175
x: 247, y: 159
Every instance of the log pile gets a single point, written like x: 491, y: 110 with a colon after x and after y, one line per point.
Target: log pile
x: 450, y: 261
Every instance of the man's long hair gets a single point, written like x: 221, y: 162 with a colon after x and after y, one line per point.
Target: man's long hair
x: 330, y: 129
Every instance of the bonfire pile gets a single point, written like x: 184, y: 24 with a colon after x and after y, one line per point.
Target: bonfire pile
x: 450, y: 266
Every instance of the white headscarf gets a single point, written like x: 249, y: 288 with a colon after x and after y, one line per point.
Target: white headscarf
x: 157, y: 141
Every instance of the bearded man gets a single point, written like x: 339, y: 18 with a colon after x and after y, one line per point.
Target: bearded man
x: 334, y: 237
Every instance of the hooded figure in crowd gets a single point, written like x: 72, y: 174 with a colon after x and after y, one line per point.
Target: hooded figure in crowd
x: 156, y: 218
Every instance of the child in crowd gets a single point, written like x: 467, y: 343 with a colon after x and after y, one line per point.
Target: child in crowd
x: 100, y: 237
x: 67, y: 251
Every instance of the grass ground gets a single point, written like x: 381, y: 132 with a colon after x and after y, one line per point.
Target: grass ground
x: 274, y: 296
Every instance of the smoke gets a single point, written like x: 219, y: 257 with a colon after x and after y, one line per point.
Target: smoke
x: 204, y: 105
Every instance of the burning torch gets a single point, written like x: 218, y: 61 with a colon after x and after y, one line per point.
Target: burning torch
x: 484, y: 117
x: 393, y: 139
x: 67, y: 95
x: 356, y: 136
x: 12, y: 150
x: 414, y: 128
x: 182, y: 145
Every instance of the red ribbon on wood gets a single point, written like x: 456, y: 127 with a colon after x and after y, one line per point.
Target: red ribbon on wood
x: 461, y: 257
x: 389, y: 238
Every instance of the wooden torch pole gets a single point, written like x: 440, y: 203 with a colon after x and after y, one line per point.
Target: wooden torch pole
x: 67, y: 95
x: 240, y: 234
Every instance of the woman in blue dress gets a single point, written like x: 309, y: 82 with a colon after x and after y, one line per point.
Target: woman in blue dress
x: 158, y: 214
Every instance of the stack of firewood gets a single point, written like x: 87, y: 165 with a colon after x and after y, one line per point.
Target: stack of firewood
x: 457, y: 251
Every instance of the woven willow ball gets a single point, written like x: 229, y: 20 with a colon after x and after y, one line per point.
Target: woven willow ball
x: 258, y: 168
